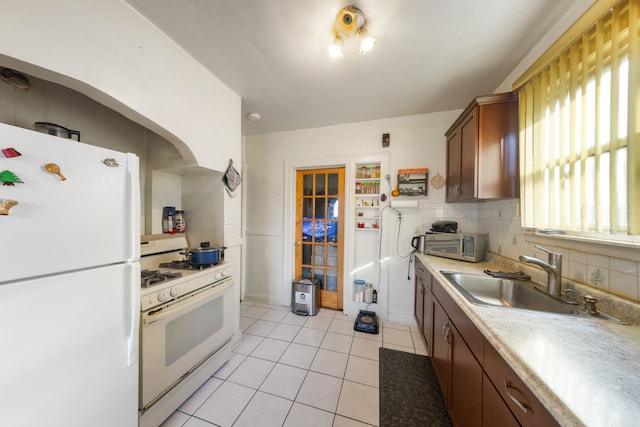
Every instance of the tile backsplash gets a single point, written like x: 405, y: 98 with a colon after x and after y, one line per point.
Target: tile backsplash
x: 613, y: 271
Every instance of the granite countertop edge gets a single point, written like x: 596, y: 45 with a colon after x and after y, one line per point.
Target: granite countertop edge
x: 560, y: 336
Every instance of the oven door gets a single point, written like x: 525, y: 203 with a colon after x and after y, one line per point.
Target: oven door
x: 444, y: 245
x: 180, y: 336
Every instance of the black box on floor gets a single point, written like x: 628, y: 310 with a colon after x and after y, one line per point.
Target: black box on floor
x: 366, y: 321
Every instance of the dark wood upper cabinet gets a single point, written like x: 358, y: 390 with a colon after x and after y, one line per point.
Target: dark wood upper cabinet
x: 482, y: 150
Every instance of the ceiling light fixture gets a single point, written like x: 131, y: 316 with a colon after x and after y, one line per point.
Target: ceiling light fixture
x: 350, y: 21
x: 253, y: 117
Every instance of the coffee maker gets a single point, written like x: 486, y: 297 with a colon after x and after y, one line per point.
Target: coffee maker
x: 418, y: 243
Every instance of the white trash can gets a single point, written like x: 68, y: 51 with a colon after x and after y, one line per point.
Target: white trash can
x: 304, y: 297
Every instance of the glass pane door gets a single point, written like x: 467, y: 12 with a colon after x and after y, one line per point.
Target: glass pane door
x: 319, y: 231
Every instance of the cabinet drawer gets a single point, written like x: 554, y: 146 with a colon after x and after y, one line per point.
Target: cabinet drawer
x: 495, y: 411
x: 470, y: 334
x: 520, y: 400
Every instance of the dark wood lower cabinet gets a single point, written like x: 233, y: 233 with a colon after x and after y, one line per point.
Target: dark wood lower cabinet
x: 479, y: 387
x: 515, y: 394
x: 419, y: 293
x: 494, y: 410
x: 427, y: 316
x: 423, y: 298
x: 441, y: 354
x: 457, y: 370
x: 465, y: 404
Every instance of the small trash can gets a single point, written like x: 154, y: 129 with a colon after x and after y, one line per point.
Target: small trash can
x: 304, y: 297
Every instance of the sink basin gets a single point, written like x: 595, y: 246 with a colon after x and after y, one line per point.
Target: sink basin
x: 486, y: 290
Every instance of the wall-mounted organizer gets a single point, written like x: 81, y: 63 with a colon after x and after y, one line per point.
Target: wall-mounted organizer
x: 413, y: 182
x: 367, y: 188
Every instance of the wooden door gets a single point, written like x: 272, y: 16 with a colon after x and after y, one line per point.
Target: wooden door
x: 453, y: 165
x: 427, y: 314
x: 419, y: 293
x: 320, y: 231
x: 441, y: 349
x: 465, y: 387
x: 468, y: 156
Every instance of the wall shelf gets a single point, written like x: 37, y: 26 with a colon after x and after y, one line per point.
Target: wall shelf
x: 367, y: 193
x: 413, y: 182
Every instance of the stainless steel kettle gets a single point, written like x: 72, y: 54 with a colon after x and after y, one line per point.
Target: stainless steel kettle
x: 418, y: 243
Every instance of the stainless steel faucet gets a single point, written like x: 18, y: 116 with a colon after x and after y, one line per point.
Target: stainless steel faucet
x: 553, y: 269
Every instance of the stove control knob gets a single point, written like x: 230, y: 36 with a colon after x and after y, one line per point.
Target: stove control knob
x: 162, y: 296
x: 217, y: 275
x: 174, y: 292
x: 225, y: 273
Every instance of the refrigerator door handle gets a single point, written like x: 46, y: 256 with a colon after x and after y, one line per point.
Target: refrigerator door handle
x: 131, y: 313
x: 133, y: 205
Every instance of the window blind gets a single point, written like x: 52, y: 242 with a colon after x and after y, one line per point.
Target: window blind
x: 580, y: 131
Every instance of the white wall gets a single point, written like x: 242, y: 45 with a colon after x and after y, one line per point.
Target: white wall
x: 98, y: 125
x: 416, y: 141
x: 107, y: 51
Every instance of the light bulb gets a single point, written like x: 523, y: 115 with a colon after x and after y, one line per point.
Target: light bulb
x: 335, y: 50
x: 366, y: 42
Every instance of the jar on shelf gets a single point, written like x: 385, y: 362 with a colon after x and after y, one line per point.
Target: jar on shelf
x: 358, y: 187
x: 377, y: 172
x: 368, y: 172
x: 181, y: 225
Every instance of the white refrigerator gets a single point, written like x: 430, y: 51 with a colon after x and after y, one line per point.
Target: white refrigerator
x: 69, y: 282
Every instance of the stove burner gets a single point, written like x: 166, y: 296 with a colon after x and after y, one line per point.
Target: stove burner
x: 153, y: 277
x: 147, y: 273
x: 184, y: 265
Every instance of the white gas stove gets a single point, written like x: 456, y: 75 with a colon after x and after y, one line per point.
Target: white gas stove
x: 187, y: 325
x: 167, y: 274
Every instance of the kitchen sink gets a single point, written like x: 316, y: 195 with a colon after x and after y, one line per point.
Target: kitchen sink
x: 520, y: 294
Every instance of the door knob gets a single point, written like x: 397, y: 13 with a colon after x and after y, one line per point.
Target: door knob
x: 298, y: 243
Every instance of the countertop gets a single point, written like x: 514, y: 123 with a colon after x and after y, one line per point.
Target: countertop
x: 585, y: 371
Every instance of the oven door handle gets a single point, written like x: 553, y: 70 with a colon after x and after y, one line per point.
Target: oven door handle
x: 187, y: 302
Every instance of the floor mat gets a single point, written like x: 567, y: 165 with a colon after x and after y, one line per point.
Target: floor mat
x: 409, y: 392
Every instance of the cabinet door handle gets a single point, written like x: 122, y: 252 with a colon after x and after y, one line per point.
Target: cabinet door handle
x: 446, y: 332
x: 421, y: 288
x: 507, y: 387
x: 445, y: 327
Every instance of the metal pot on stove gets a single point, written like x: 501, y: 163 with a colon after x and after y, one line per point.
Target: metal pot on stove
x: 204, y: 255
x: 56, y: 130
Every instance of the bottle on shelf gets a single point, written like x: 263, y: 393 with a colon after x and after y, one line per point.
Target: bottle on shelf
x: 168, y: 220
x: 368, y: 293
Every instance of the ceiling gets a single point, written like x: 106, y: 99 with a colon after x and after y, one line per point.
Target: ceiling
x: 430, y: 55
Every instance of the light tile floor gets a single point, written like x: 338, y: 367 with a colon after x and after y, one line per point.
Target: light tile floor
x: 291, y: 370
